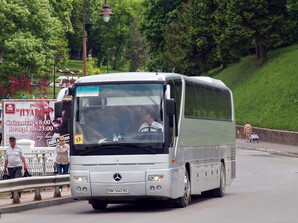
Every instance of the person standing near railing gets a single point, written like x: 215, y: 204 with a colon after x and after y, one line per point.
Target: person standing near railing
x: 13, y: 159
x: 61, y: 156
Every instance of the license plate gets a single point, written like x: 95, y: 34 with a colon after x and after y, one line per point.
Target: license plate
x: 117, y: 191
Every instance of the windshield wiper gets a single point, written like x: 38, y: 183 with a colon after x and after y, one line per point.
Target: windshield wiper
x: 91, y: 149
x: 146, y: 147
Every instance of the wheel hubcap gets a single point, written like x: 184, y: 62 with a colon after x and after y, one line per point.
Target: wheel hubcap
x: 187, y: 188
x: 223, y: 183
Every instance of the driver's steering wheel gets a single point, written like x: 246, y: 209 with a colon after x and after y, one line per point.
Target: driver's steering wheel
x: 151, y: 127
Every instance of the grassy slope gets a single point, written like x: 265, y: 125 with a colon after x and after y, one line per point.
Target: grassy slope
x: 266, y: 94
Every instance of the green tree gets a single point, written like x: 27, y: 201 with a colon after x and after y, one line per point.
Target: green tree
x: 233, y: 38
x: 246, y: 24
x: 62, y: 10
x: 136, y: 52
x: 75, y: 37
x: 111, y: 40
x: 92, y: 69
x: 189, y: 44
x: 29, y: 37
x: 156, y: 15
x: 292, y: 31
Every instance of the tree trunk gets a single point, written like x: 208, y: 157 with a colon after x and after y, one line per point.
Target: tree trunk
x: 257, y: 51
x: 224, y: 65
x: 263, y: 52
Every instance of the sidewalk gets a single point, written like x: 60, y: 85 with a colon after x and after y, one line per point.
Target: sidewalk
x: 27, y: 202
x: 279, y: 149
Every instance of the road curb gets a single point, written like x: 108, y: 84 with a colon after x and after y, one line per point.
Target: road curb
x: 35, y: 205
x: 275, y: 152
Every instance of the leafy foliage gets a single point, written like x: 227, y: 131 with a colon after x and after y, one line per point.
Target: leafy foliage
x: 208, y: 33
x: 110, y: 40
x: 189, y: 43
x: 28, y: 45
x: 15, y: 84
x: 62, y: 10
x: 21, y: 83
x: 91, y: 67
x: 136, y: 52
x: 156, y: 15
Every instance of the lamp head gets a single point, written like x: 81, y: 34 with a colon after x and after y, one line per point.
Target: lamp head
x: 106, y: 13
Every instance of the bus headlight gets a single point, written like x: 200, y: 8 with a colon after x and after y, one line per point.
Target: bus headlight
x: 155, y: 177
x: 80, y: 179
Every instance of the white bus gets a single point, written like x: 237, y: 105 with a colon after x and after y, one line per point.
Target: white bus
x: 113, y: 160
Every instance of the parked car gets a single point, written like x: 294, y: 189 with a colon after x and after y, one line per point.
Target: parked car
x: 44, y: 83
x: 64, y: 81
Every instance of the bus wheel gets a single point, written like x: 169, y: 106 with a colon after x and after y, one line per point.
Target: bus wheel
x: 99, y: 205
x: 219, y: 192
x: 183, y: 201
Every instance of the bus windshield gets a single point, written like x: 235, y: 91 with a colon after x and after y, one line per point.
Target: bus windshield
x: 109, y: 114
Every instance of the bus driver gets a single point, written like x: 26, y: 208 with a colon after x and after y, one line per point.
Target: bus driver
x: 151, y: 125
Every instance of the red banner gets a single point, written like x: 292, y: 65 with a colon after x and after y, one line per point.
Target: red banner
x: 35, y: 120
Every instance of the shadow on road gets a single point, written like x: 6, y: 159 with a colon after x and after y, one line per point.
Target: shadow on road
x: 145, y: 206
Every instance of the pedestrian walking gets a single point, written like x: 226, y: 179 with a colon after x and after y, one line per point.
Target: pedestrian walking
x: 13, y: 159
x: 247, y: 131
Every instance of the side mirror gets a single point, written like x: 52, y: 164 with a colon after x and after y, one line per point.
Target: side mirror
x: 64, y: 92
x: 70, y: 91
x: 58, y: 109
x: 170, y: 110
x: 170, y: 107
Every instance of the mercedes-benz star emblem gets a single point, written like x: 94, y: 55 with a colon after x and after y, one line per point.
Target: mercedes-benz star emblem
x: 117, y: 177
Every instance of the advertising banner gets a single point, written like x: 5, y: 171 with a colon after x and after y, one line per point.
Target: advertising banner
x: 35, y: 120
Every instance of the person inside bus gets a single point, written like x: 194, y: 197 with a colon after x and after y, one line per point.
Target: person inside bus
x: 151, y: 125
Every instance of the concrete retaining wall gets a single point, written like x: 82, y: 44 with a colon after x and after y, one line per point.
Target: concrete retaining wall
x: 272, y: 135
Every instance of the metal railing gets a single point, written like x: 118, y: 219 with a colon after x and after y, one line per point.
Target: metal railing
x: 36, y: 182
x: 40, y: 161
x: 40, y: 164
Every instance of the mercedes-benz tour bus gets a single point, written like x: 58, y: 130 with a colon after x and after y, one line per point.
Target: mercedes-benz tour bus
x: 186, y: 144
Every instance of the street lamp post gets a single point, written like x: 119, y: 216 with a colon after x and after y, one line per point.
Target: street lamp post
x: 106, y: 13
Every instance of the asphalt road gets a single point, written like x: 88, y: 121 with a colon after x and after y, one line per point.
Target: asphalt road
x: 265, y: 191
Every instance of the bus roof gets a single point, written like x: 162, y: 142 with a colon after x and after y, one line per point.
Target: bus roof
x: 129, y: 76
x: 208, y: 81
x: 148, y: 76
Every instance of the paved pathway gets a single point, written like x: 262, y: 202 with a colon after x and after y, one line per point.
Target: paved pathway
x: 285, y: 150
x: 27, y: 202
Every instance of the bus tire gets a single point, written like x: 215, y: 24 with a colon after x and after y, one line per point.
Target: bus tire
x: 99, y: 205
x: 220, y: 191
x: 183, y: 201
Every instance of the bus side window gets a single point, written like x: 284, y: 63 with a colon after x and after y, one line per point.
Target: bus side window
x: 201, y: 101
x: 175, y: 93
x: 178, y: 92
